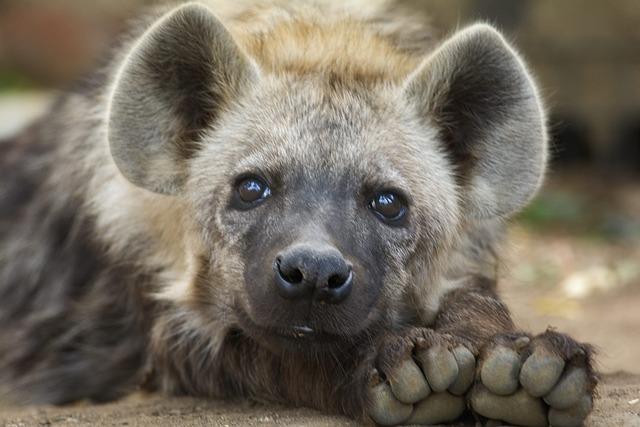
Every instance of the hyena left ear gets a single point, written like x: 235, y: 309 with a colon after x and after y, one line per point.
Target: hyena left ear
x: 479, y: 95
x: 174, y: 82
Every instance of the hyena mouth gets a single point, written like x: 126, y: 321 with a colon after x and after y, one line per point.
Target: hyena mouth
x: 301, y: 334
x: 294, y: 334
x: 302, y: 331
x: 288, y: 337
x: 306, y: 334
x: 315, y: 342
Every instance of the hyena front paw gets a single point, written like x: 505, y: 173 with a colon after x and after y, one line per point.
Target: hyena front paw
x: 420, y: 378
x: 535, y: 382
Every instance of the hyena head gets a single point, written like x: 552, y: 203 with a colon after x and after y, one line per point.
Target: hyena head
x: 328, y: 191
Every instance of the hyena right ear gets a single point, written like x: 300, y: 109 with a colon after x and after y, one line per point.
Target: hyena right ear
x: 477, y: 92
x: 174, y: 82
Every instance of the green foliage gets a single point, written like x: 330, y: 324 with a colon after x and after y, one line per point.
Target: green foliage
x: 578, y: 214
x: 11, y: 81
x: 554, y: 208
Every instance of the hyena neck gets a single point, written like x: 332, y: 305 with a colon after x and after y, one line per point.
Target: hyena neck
x: 477, y: 252
x: 474, y: 254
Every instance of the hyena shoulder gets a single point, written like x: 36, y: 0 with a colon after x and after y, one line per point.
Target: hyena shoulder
x: 75, y: 321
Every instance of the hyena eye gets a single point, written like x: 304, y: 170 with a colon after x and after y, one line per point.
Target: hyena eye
x: 253, y: 189
x: 389, y: 206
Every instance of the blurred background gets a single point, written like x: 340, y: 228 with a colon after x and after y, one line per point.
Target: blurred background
x: 573, y: 260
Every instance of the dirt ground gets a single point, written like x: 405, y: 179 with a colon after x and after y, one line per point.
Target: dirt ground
x: 614, y: 408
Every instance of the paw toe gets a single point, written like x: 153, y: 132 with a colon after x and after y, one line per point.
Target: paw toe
x: 569, y: 390
x: 518, y: 408
x: 437, y: 409
x: 385, y: 409
x: 500, y: 371
x: 572, y: 417
x: 440, y: 367
x: 408, y: 383
x: 540, y: 372
x: 466, y: 370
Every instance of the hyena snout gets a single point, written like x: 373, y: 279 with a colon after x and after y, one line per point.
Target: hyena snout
x: 320, y: 273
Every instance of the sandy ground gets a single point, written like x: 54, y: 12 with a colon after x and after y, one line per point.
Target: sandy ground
x: 617, y: 406
x: 584, y: 285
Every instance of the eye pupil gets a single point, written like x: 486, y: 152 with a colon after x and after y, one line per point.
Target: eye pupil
x: 389, y: 206
x: 252, y: 189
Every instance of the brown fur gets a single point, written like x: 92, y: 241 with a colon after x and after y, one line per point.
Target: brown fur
x: 133, y: 180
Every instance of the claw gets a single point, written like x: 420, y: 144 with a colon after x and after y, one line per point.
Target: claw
x: 521, y: 343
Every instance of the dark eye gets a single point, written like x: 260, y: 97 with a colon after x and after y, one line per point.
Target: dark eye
x: 253, y: 189
x: 389, y: 206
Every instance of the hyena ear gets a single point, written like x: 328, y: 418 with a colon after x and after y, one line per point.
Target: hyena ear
x: 176, y: 79
x: 479, y: 95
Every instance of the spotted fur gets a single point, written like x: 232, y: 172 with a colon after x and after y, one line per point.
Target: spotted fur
x: 122, y: 257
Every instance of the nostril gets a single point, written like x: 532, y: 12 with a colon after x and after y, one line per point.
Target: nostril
x: 336, y: 281
x: 291, y: 275
x: 290, y: 282
x: 338, y: 287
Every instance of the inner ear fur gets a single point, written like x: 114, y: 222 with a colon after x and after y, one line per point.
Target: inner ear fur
x: 480, y: 96
x: 183, y: 71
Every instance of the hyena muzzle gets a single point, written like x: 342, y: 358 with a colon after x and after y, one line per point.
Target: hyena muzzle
x: 289, y: 202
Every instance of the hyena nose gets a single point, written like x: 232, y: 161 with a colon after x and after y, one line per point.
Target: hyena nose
x: 313, y: 272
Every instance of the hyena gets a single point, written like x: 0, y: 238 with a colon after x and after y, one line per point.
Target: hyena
x: 287, y: 202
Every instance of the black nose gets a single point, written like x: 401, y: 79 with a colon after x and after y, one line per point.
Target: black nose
x: 313, y: 271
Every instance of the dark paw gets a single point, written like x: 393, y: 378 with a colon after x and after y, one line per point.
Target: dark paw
x: 420, y: 378
x: 535, y: 382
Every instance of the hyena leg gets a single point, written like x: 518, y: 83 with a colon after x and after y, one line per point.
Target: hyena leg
x: 519, y: 380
